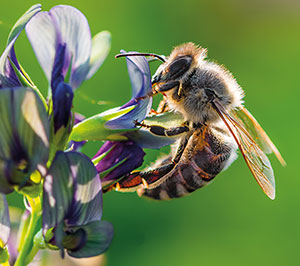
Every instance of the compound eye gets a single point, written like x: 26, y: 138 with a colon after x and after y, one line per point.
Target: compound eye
x: 179, y: 66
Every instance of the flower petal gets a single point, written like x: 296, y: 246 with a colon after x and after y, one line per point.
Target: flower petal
x: 101, y: 43
x: 140, y: 76
x: 98, y: 236
x: 62, y: 25
x: 93, y: 128
x: 7, y: 74
x: 4, y: 221
x: 145, y: 139
x: 87, y: 202
x: 42, y: 35
x: 72, y: 191
x: 121, y: 158
x: 24, y: 133
x: 62, y: 104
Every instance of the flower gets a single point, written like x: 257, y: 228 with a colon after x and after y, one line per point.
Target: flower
x: 62, y: 42
x: 124, y: 151
x: 118, y: 158
x: 24, y: 139
x: 67, y: 26
x: 72, y: 207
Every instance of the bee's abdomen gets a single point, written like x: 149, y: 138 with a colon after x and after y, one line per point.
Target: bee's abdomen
x: 199, y: 165
x: 183, y: 180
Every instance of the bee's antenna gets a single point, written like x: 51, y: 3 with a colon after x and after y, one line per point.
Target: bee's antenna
x: 159, y: 57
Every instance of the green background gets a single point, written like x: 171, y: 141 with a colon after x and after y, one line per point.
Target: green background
x: 230, y: 222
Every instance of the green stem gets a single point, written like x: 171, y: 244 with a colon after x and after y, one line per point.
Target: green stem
x: 31, y: 229
x: 5, y: 264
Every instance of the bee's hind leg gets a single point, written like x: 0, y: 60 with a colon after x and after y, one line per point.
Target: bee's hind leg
x: 152, y: 177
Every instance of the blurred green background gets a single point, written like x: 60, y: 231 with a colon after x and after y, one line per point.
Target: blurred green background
x: 230, y: 222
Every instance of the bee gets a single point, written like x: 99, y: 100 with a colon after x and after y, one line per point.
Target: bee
x: 216, y: 125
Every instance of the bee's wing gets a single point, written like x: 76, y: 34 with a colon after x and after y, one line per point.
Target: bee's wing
x: 245, y: 118
x: 255, y: 158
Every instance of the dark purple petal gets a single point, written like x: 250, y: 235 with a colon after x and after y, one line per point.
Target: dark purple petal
x: 11, y: 79
x: 57, y: 76
x: 140, y: 76
x: 127, y: 154
x: 62, y: 104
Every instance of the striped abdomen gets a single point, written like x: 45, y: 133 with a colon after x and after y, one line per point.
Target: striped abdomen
x: 204, y: 157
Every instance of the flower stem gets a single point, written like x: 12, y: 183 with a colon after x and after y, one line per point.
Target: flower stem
x: 27, y: 247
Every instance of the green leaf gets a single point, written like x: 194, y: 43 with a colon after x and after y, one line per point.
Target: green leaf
x: 94, y: 128
x: 98, y: 237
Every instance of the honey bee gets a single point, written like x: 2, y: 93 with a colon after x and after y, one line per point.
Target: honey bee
x: 216, y: 125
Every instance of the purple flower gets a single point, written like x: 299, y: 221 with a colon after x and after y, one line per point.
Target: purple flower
x: 24, y: 139
x: 62, y: 42
x: 72, y: 207
x: 66, y: 26
x: 118, y: 158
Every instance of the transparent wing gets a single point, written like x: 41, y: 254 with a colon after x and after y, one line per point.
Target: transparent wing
x: 255, y: 158
x: 245, y: 118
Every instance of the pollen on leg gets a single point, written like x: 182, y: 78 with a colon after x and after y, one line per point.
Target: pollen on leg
x: 146, y: 185
x: 117, y: 188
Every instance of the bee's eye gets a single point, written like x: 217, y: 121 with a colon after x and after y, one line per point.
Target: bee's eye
x: 179, y: 66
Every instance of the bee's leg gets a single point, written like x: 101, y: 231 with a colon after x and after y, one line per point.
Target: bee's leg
x: 150, y: 178
x: 168, y: 86
x: 163, y: 106
x: 162, y: 131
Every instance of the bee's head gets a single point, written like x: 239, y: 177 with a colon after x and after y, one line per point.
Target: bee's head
x: 182, y: 59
